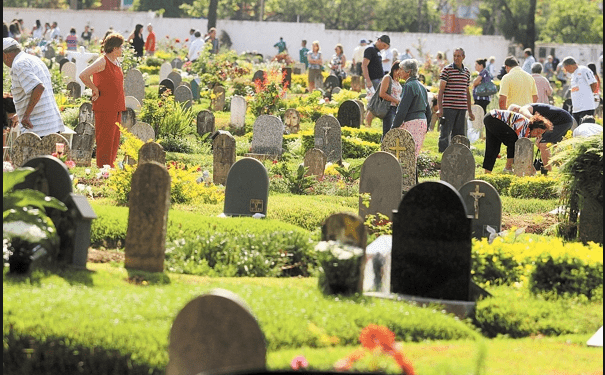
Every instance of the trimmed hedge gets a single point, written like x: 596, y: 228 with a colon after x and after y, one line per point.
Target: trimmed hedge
x: 539, y: 186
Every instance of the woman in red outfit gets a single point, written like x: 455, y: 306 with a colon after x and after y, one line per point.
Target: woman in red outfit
x: 107, y: 87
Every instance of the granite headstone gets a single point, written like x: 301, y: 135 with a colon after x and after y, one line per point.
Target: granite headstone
x: 483, y: 204
x: 400, y: 143
x: 267, y: 135
x: 246, y: 189
x: 382, y: 178
x: 152, y: 151
x: 328, y: 137
x: 218, y: 102
x: 134, y: 84
x: 315, y: 160
x: 238, y: 111
x: 82, y: 144
x: 205, y: 122
x: 457, y: 165
x: 183, y: 94
x: 349, y: 114
x: 523, y: 162
x: 223, y: 156
x: 292, y: 121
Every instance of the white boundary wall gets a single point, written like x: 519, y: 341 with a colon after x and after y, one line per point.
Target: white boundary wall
x: 261, y: 36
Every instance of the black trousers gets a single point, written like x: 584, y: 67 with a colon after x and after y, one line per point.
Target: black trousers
x: 497, y: 132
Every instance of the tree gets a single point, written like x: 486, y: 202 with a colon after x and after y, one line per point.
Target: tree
x: 172, y: 7
x: 514, y: 18
x: 562, y: 23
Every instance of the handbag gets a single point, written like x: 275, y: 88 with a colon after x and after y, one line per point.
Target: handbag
x: 486, y: 89
x: 379, y: 106
x: 538, y: 163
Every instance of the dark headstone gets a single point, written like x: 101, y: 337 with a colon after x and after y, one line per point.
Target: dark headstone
x: 457, y: 165
x: 50, y: 52
x: 382, y: 178
x: 287, y: 80
x: 205, y: 122
x: 523, y: 163
x: 176, y: 78
x: 61, y: 62
x: 483, y: 204
x: 149, y: 201
x: 152, y: 151
x: 328, y: 137
x: 166, y: 84
x: 259, y: 75
x: 247, y: 189
x: 223, y: 155
x: 590, y: 227
x: 195, y: 88
x: 51, y: 177
x: 431, y: 255
x: 80, y: 214
x: 86, y: 114
x: 316, y: 161
x: 349, y: 114
x: 331, y: 82
x: 82, y: 144
x: 74, y: 89
x: 176, y: 63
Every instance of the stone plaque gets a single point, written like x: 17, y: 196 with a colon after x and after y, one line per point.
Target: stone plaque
x: 205, y: 122
x: 292, y: 121
x: 400, y: 143
x: 457, y: 165
x: 143, y: 131
x: 152, y: 151
x: 316, y: 161
x: 166, y: 84
x: 523, y: 163
x: 382, y: 178
x: 86, y: 114
x: 223, y: 155
x: 165, y: 69
x: 349, y: 114
x: 149, y: 201
x: 218, y: 102
x: 183, y: 94
x: 238, y: 111
x: 176, y: 78
x: 246, y: 189
x: 328, y: 137
x: 267, y: 135
x: 590, y: 227
x: 134, y: 84
x: 26, y: 146
x: 431, y: 254
x: 82, y: 144
x: 74, y: 89
x: 483, y: 205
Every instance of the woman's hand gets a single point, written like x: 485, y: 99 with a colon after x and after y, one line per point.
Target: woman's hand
x: 95, y: 94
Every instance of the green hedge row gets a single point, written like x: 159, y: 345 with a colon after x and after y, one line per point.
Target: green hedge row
x: 541, y: 187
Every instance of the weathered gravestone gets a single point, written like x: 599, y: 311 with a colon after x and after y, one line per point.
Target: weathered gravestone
x: 478, y: 121
x: 238, y: 111
x: 299, y: 68
x: 331, y: 82
x: 195, y: 88
x: 461, y: 140
x: 362, y: 108
x: 176, y: 78
x: 143, y: 131
x: 148, y: 202
x: 223, y: 156
x: 259, y: 76
x: 356, y: 83
x: 51, y: 177
x: 62, y: 62
x: 345, y: 227
x: 267, y: 136
x: 216, y: 333
x: 166, y: 84
x: 152, y: 151
x: 129, y: 118
x: 400, y: 143
x: 48, y: 145
x: 483, y: 204
x: 287, y: 77
x: 523, y: 163
x: 205, y: 122
x: 86, y: 114
x: 82, y: 144
x: 218, y: 101
x: 246, y: 189
x: 182, y: 94
x: 134, y: 84
x: 165, y: 69
x: 176, y: 63
x: 349, y: 114
x: 132, y: 102
x: 590, y: 227
x: 185, y: 83
x: 336, y: 90
x: 328, y: 137
x: 315, y: 160
x: 319, y: 84
x: 50, y: 52
x: 74, y: 89
x: 26, y: 146
x: 292, y: 121
x: 431, y: 254
x: 68, y: 70
x: 382, y: 179
x: 457, y: 165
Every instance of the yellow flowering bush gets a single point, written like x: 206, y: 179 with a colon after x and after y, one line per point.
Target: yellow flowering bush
x: 184, y: 187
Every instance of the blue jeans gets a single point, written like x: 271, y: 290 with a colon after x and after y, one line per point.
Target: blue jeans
x: 387, y: 121
x: 454, y: 124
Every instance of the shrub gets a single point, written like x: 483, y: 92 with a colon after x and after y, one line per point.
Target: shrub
x: 353, y: 148
x: 151, y: 70
x: 184, y: 187
x: 368, y: 135
x: 500, y: 182
x: 566, y: 275
x: 296, y: 182
x: 268, y: 95
x: 167, y: 117
x: 538, y: 186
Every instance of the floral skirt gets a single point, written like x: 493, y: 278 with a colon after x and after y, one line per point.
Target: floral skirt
x: 418, y: 130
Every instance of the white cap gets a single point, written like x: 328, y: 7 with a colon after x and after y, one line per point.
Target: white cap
x: 8, y: 42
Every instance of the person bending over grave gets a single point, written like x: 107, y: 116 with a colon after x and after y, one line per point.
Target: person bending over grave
x: 561, y: 121
x: 108, y: 102
x: 503, y: 126
x: 414, y: 111
x: 32, y: 91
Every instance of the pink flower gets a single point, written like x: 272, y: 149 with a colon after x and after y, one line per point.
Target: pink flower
x: 70, y: 164
x: 299, y: 362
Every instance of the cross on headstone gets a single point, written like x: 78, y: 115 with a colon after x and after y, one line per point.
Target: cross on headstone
x: 483, y: 204
x: 176, y: 63
x: 397, y: 148
x: 400, y: 143
x: 328, y: 137
x: 476, y: 195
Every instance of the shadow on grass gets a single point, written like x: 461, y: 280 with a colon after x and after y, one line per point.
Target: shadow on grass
x: 138, y: 277
x: 40, y: 272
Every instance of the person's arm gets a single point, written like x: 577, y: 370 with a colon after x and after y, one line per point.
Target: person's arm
x: 131, y: 37
x: 384, y: 87
x: 469, y: 96
x: 33, y: 101
x: 343, y: 61
x: 594, y: 87
x: 477, y: 81
x: 366, y: 74
x: 85, y: 76
x: 442, y: 85
x: 534, y: 98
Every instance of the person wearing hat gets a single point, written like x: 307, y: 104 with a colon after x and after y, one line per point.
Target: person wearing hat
x: 372, y: 67
x: 32, y: 91
x: 358, y: 57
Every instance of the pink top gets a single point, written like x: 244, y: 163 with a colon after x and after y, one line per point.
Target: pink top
x: 544, y: 88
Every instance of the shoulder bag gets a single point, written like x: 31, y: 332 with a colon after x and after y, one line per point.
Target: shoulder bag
x: 379, y: 106
x: 487, y: 88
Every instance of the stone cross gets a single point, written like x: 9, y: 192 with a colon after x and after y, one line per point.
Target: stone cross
x: 476, y: 196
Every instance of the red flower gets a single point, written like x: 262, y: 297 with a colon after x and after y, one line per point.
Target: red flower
x: 299, y: 362
x: 187, y: 39
x: 374, y: 335
x: 177, y: 41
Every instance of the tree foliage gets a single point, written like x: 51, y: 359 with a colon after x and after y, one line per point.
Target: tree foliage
x: 171, y: 7
x: 562, y: 23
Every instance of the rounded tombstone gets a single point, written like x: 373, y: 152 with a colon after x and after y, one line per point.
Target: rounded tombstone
x: 51, y: 177
x: 166, y: 84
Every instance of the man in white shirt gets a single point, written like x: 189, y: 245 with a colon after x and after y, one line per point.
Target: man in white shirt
x: 529, y: 60
x: 387, y: 60
x: 55, y: 32
x: 583, y: 85
x: 32, y: 91
x: 196, y: 46
x: 358, y: 57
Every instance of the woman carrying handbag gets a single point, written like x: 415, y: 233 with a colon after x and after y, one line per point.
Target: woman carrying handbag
x: 393, y: 95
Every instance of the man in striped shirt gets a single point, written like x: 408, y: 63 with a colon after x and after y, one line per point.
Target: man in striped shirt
x: 454, y: 100
x: 32, y: 91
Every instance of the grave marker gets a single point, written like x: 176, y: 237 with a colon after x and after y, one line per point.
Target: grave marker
x: 50, y: 52
x: 82, y: 144
x: 176, y: 63
x: 51, y: 177
x: 349, y: 114
x: 267, y: 135
x: 223, y: 156
x: 238, y: 111
x: 176, y: 79
x: 478, y: 121
x: 345, y: 227
x: 205, y: 122
x: 134, y: 85
x: 331, y: 82
x: 328, y: 137
x: 165, y: 69
x: 132, y: 102
x: 152, y: 151
x: 166, y: 84
x: 195, y: 88
x: 382, y: 178
x: 143, y: 131
x: 68, y: 70
x: 62, y: 62
x: 523, y: 163
x: 129, y: 118
x: 287, y: 77
x: 183, y: 94
x: 483, y: 204
x: 48, y: 145
x: 400, y: 143
x: 356, y: 83
x: 457, y: 165
x: 86, y: 114
x: 259, y: 75
x: 246, y: 189
x: 74, y: 89
x: 461, y: 140
x: 218, y: 102
x: 25, y: 147
x: 315, y: 160
x: 292, y: 121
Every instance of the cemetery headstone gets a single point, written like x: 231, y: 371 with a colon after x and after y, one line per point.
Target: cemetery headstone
x: 176, y: 63
x: 149, y: 201
x: 166, y: 84
x: 246, y: 189
x: 134, y: 84
x: 356, y: 83
x: 86, y: 114
x: 61, y: 62
x: 129, y: 118
x: 223, y: 156
x: 319, y: 84
x: 216, y: 333
x: 183, y: 94
x: 299, y: 68
x: 132, y: 102
x: 68, y: 70
x: 478, y: 121
x: 25, y: 147
x: 176, y: 78
x: 362, y: 108
x: 74, y: 89
x: 267, y: 135
x: 76, y: 241
x: 431, y: 254
x: 483, y: 204
x: 218, y: 102
x: 205, y: 122
x: 336, y: 90
x: 292, y: 121
x: 82, y: 144
x: 331, y: 82
x: 345, y: 227
x: 259, y: 75
x: 195, y: 88
x: 287, y: 80
x: 48, y: 145
x: 400, y: 143
x: 143, y: 131
x: 152, y: 151
x: 185, y: 83
x: 50, y: 177
x: 462, y: 140
x: 349, y: 114
x: 50, y: 52
x: 377, y: 270
x: 238, y: 111
x: 523, y: 163
x: 315, y: 160
x: 328, y: 137
x: 457, y: 165
x: 590, y: 226
x: 165, y: 69
x: 382, y: 178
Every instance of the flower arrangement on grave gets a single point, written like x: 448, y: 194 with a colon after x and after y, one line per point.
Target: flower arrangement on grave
x: 283, y: 58
x: 340, y: 271
x: 269, y: 95
x: 61, y: 155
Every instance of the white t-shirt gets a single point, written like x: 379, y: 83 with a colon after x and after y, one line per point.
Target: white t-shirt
x: 358, y: 53
x: 387, y: 54
x: 197, y: 45
x: 587, y: 129
x: 582, y: 98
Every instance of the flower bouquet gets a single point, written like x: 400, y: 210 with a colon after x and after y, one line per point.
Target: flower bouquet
x: 340, y: 271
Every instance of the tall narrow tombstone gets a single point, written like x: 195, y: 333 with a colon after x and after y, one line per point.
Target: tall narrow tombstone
x: 523, y: 163
x: 74, y: 90
x: 68, y: 70
x: 143, y: 131
x: 483, y: 204
x: 590, y: 227
x: 223, y: 157
x: 48, y: 145
x: 315, y: 160
x: 182, y: 94
x: 195, y: 88
x: 345, y: 227
x: 259, y: 75
x: 400, y: 143
x: 166, y: 84
x: 216, y: 333
x: 457, y: 165
x: 165, y: 69
x: 134, y: 84
x: 287, y: 77
x: 218, y: 102
x: 86, y: 114
x: 267, y: 135
x: 349, y: 114
x: 382, y: 179
x: 176, y: 63
x: 478, y: 121
x: 82, y: 144
x: 176, y: 78
x: 462, y: 140
x: 132, y: 102
x: 129, y: 118
x: 51, y: 177
x: 246, y: 189
x: 238, y: 111
x: 356, y: 83
x: 431, y: 254
x: 292, y: 121
x: 26, y: 146
x: 205, y: 122
x: 328, y: 137
x: 152, y: 151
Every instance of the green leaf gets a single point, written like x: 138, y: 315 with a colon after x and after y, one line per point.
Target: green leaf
x: 10, y: 179
x: 29, y: 197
